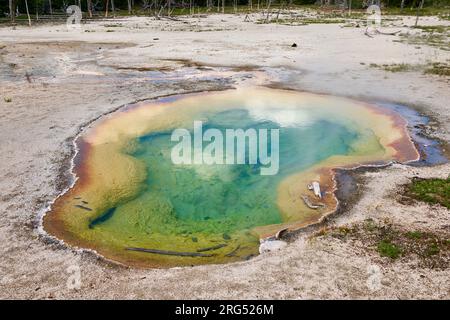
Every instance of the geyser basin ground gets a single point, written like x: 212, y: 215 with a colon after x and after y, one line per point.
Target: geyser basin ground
x: 129, y: 193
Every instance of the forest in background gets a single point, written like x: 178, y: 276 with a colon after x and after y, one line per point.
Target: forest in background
x: 47, y: 9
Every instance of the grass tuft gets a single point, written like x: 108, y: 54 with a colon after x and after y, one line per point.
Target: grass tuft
x: 440, y: 69
x: 427, y: 249
x: 388, y: 249
x: 414, y: 234
x: 433, y: 191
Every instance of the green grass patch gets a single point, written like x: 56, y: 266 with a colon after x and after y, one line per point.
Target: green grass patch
x: 428, y: 249
x: 414, y: 234
x: 388, y: 249
x: 433, y: 191
x: 433, y: 249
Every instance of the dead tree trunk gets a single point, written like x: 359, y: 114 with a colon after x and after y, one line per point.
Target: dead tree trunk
x: 28, y: 13
x: 106, y: 8
x: 269, y: 2
x: 418, y: 11
x: 12, y: 10
x: 402, y: 5
x: 129, y: 6
x: 89, y: 8
x: 113, y: 8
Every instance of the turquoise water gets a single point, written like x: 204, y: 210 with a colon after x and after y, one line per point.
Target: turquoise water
x: 135, y: 205
x: 216, y: 199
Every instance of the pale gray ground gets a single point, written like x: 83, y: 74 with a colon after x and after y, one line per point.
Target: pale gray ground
x: 73, y: 83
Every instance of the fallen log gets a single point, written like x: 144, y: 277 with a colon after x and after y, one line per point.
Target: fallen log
x: 311, y: 205
x: 212, y: 248
x: 233, y: 253
x: 367, y: 34
x: 387, y: 33
x: 170, y: 253
x: 280, y: 233
x: 83, y: 207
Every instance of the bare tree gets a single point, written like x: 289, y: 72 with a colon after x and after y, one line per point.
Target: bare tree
x: 12, y: 10
x: 129, y: 6
x: 269, y: 2
x: 28, y: 13
x: 418, y: 11
x: 106, y: 8
x: 50, y: 6
x: 402, y: 5
x: 113, y: 8
x: 89, y: 7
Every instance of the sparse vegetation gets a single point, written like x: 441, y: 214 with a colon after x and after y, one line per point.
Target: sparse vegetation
x: 440, y: 69
x: 55, y: 10
x: 437, y: 68
x: 393, y: 243
x: 433, y: 191
x: 434, y: 29
x: 401, y: 67
x: 396, y: 67
x: 303, y: 21
x: 435, y: 36
x: 388, y: 249
x: 432, y: 10
x: 414, y: 234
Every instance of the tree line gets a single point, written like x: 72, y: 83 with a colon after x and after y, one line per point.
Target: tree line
x: 48, y: 7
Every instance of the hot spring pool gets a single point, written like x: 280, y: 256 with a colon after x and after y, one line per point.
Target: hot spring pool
x: 133, y: 204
